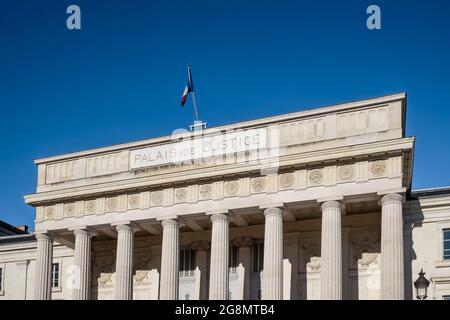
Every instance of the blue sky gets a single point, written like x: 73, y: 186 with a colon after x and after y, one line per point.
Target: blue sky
x: 121, y: 76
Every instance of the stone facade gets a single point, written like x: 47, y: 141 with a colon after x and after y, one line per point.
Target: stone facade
x: 298, y: 206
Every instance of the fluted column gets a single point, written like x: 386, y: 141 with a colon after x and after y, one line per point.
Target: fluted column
x: 273, y: 255
x: 218, y: 276
x: 123, y: 287
x: 392, y: 264
x: 245, y: 246
x: 331, y: 252
x: 169, y: 260
x: 201, y: 252
x: 44, y: 259
x: 82, y: 260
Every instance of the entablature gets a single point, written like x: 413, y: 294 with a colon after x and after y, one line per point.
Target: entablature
x: 395, y: 155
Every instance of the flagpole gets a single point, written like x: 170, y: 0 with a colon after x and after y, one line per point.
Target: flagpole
x: 194, y: 100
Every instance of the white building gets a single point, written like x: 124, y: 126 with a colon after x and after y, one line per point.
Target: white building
x: 309, y: 205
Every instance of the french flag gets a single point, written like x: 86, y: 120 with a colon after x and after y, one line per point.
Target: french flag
x: 189, y: 87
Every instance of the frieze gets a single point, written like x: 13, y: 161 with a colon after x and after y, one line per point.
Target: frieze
x: 346, y: 172
x: 231, y: 188
x: 157, y: 197
x: 286, y: 180
x: 299, y: 180
x: 180, y: 195
x: 315, y: 176
x: 69, y: 209
x: 134, y: 201
x: 112, y: 204
x: 378, y: 168
x: 50, y: 212
x: 259, y: 184
x: 205, y: 192
x: 91, y: 206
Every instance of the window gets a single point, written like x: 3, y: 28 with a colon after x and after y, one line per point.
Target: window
x: 446, y: 244
x: 234, y: 258
x: 55, y: 275
x: 446, y: 297
x: 1, y: 279
x: 258, y: 257
x: 187, y: 262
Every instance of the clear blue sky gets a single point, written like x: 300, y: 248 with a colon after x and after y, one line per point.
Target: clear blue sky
x: 120, y: 78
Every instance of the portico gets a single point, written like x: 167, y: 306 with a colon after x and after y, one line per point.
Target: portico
x: 310, y: 207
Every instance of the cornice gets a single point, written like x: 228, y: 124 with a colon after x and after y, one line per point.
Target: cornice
x: 428, y: 203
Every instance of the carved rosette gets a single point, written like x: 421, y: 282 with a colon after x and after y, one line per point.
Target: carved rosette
x: 69, y: 209
x: 157, y: 197
x: 133, y: 201
x: 346, y: 172
x: 286, y: 180
x: 180, y: 194
x: 231, y: 188
x: 50, y: 212
x: 205, y: 192
x: 315, y: 176
x: 378, y: 168
x: 112, y: 204
x: 259, y: 184
x: 91, y: 206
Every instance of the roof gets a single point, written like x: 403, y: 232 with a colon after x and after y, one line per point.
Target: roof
x: 17, y: 238
x: 10, y: 229
x: 431, y: 192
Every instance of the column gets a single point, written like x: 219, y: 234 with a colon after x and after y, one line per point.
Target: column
x: 169, y: 260
x: 201, y: 257
x: 331, y: 252
x: 218, y: 281
x: 245, y: 246
x: 123, y: 287
x: 44, y: 260
x: 392, y: 264
x: 272, y: 288
x: 82, y: 260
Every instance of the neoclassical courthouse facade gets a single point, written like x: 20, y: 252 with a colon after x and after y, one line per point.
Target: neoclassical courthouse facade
x: 309, y: 205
